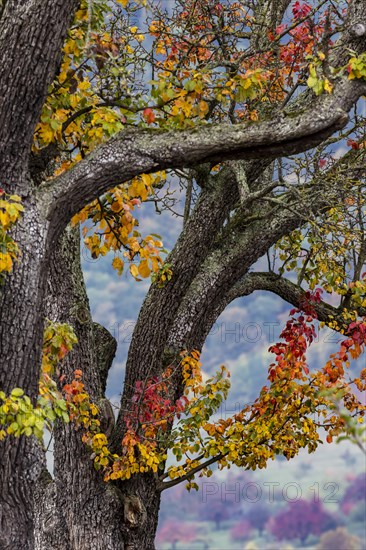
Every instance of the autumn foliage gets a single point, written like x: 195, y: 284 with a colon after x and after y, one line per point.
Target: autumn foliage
x: 102, y: 88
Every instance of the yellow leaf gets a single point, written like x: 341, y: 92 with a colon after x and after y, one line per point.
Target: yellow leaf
x: 328, y: 86
x: 6, y: 262
x: 160, y: 50
x: 85, y: 85
x: 203, y: 108
x: 46, y: 134
x: 134, y: 270
x: 118, y: 265
x: 246, y: 83
x: 147, y: 179
x: 144, y: 269
x: 155, y: 264
x: 4, y: 219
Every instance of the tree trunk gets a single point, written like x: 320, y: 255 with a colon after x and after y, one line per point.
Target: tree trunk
x: 21, y: 315
x: 76, y: 509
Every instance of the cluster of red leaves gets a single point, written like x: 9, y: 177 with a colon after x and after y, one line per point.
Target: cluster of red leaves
x: 355, y: 144
x: 301, y: 10
x: 350, y: 348
x: 298, y: 334
x: 152, y: 408
x: 81, y: 410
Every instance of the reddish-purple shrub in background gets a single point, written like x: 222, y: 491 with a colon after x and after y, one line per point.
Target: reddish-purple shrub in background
x: 257, y: 515
x: 241, y: 530
x: 355, y: 493
x: 300, y: 519
x: 217, y: 510
x: 174, y: 531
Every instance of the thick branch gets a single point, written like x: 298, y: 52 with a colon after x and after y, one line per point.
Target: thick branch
x: 194, y: 244
x: 105, y: 348
x: 239, y: 249
x: 148, y: 150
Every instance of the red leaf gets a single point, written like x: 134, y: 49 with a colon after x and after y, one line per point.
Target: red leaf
x: 352, y: 143
x: 148, y: 115
x: 300, y: 10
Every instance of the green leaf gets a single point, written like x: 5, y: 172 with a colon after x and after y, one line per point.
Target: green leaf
x: 17, y: 392
x: 190, y: 85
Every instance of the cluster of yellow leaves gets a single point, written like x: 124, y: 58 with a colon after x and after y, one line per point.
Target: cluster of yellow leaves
x: 358, y: 290
x: 76, y: 117
x: 137, y: 457
x: 280, y: 421
x: 74, y: 114
x: 10, y: 211
x: 18, y: 415
x: 77, y: 114
x: 357, y: 67
x: 283, y: 418
x: 316, y: 81
x: 114, y: 227
x: 317, y: 84
x: 185, y: 89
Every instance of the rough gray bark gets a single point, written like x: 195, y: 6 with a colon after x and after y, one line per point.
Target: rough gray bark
x: 21, y: 303
x: 31, y: 36
x: 28, y: 58
x: 76, y: 510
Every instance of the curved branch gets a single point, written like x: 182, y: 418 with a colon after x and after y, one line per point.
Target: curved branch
x: 137, y: 151
x: 290, y: 292
x: 244, y: 243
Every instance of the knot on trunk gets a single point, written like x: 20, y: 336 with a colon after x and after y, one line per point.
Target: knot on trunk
x: 357, y: 30
x: 134, y: 511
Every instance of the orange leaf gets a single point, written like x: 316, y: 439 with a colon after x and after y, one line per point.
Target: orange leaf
x: 148, y: 115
